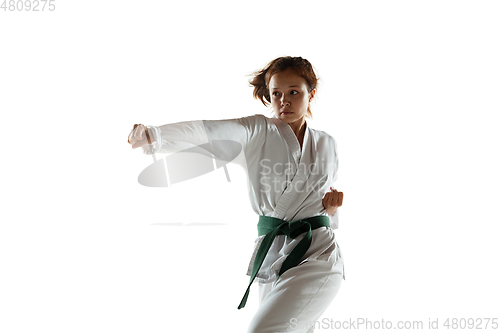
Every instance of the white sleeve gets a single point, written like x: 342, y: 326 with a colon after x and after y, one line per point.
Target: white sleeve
x: 215, y: 138
x: 334, y: 219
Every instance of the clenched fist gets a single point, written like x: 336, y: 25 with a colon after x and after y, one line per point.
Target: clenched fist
x: 139, y: 136
x: 332, y: 200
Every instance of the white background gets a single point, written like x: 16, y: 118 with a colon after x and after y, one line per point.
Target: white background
x: 409, y: 89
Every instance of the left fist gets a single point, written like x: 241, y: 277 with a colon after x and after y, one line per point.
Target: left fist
x: 332, y: 200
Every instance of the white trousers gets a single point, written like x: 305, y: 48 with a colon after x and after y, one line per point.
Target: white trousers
x: 298, y: 298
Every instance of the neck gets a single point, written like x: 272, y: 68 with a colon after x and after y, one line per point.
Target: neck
x: 298, y: 127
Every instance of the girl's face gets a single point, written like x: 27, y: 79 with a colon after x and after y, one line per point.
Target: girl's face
x: 289, y: 96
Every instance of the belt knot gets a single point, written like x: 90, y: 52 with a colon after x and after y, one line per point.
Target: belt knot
x: 271, y: 227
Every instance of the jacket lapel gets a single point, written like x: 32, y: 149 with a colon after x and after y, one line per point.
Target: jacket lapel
x: 298, y: 182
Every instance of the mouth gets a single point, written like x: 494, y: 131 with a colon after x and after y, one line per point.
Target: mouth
x: 286, y: 112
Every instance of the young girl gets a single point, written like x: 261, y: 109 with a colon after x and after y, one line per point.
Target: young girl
x: 291, y: 169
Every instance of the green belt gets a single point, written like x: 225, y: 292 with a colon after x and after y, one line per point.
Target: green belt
x: 271, y: 227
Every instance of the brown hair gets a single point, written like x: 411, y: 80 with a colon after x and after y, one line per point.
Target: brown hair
x: 302, y: 67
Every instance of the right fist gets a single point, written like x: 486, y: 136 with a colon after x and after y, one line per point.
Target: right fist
x: 140, y: 136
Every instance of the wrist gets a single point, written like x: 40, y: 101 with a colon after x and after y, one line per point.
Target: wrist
x: 331, y: 210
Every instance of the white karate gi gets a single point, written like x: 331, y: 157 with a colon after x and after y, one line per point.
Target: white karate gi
x: 286, y: 182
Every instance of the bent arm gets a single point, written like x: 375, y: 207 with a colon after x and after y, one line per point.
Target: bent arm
x: 334, y: 217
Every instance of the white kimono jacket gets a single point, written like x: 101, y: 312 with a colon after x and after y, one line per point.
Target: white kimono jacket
x: 284, y: 181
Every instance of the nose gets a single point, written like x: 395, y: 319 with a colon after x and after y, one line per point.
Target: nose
x: 284, y: 100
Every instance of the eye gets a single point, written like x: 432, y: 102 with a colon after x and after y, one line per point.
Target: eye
x: 296, y: 92
x: 274, y: 93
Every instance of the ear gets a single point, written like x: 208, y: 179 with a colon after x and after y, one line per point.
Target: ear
x: 311, y: 95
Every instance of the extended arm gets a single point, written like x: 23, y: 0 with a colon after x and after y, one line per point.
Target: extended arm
x: 221, y: 139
